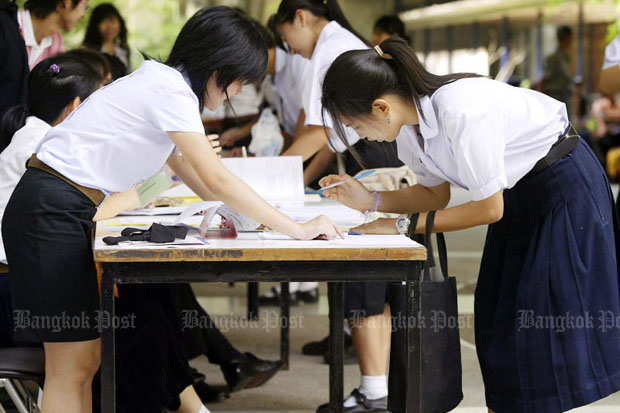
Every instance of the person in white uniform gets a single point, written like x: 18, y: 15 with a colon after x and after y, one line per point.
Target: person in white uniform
x: 122, y: 135
x: 609, y: 83
x: 319, y: 31
x: 551, y: 249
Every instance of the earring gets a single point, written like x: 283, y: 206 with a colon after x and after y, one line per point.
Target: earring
x: 389, y: 121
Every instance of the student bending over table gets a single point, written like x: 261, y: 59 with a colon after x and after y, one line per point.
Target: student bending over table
x: 120, y: 136
x: 551, y: 247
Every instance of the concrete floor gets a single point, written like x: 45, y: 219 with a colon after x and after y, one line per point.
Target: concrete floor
x: 305, y: 385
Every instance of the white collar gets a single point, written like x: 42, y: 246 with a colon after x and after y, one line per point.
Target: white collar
x: 327, y: 31
x: 28, y: 32
x: 428, y: 124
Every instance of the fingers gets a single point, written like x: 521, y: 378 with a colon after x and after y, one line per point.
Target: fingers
x: 338, y: 231
x: 328, y: 180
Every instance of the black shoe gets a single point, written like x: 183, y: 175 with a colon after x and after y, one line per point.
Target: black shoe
x: 210, y: 394
x: 249, y: 372
x: 350, y: 356
x: 320, y: 348
x: 363, y: 404
x: 310, y: 296
x: 198, y: 376
x: 273, y: 298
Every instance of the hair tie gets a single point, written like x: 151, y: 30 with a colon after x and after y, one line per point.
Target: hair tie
x: 54, y: 68
x: 382, y: 55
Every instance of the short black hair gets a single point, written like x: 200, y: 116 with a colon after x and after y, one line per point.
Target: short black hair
x: 391, y: 24
x: 223, y: 41
x: 564, y: 33
x: 95, y: 59
x: 117, y: 67
x: 43, y: 8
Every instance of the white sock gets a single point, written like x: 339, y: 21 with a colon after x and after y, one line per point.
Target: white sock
x: 203, y: 410
x: 373, y: 387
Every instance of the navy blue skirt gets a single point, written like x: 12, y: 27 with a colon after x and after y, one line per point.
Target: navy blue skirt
x: 547, y: 304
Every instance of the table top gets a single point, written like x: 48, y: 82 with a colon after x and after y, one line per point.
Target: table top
x: 258, y: 246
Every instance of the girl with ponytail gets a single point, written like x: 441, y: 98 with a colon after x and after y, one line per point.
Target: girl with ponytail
x: 319, y: 31
x: 551, y: 245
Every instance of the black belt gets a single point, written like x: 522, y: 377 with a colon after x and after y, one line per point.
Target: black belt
x: 565, y: 145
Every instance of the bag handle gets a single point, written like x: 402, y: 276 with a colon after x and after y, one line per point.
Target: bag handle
x: 441, y: 246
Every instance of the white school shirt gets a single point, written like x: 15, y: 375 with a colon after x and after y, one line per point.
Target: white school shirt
x: 117, y: 137
x: 481, y: 135
x: 13, y: 162
x: 612, y: 53
x: 333, y: 41
x: 287, y: 85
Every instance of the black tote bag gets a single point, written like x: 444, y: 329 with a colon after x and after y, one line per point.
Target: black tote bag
x: 441, y: 371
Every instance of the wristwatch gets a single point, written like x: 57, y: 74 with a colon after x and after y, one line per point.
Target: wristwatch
x: 402, y: 224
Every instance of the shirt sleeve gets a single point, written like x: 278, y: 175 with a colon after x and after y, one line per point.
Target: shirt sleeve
x: 175, y: 109
x: 478, y: 142
x: 612, y: 53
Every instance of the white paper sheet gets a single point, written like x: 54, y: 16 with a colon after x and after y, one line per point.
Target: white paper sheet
x: 277, y: 179
x: 195, y: 208
x: 150, y: 212
x: 178, y: 191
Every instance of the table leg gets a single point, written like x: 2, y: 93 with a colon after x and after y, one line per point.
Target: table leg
x: 336, y: 346
x: 413, y: 396
x: 253, y: 301
x: 285, y: 314
x: 108, y: 345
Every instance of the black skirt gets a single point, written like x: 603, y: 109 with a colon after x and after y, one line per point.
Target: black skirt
x: 548, y: 296
x: 47, y: 230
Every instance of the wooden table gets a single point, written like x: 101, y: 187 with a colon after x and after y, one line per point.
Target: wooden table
x: 251, y: 258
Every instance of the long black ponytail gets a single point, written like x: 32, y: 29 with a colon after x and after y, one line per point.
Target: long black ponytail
x: 52, y: 85
x: 358, y: 77
x: 329, y: 9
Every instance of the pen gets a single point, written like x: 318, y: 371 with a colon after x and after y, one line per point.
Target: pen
x: 353, y: 233
x: 364, y: 175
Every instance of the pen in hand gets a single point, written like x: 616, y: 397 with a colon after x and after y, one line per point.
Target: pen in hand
x: 365, y: 174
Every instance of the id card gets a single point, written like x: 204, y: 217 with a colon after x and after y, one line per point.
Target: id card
x: 151, y: 189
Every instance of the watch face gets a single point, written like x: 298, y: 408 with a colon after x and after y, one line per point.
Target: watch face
x: 402, y: 224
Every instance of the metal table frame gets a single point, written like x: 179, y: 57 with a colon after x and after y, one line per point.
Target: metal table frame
x: 275, y: 271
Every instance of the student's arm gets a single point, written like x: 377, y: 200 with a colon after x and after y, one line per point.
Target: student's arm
x: 182, y: 168
x: 301, y: 124
x: 230, y: 136
x: 319, y: 164
x: 460, y: 217
x: 117, y: 203
x: 308, y: 143
x: 415, y: 199
x: 609, y: 83
x: 228, y: 188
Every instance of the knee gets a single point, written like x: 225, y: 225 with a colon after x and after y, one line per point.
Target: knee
x: 78, y: 370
